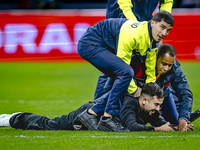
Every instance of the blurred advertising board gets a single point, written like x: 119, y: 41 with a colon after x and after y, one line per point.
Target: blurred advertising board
x: 44, y: 35
x: 53, y: 34
x: 185, y: 34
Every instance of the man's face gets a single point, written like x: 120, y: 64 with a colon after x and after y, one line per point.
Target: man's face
x: 152, y: 104
x: 160, y: 30
x: 164, y: 64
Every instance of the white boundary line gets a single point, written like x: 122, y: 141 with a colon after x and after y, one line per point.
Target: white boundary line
x: 140, y: 137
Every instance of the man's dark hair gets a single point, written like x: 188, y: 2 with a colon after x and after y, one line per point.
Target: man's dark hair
x: 152, y: 89
x: 166, y: 48
x: 165, y: 16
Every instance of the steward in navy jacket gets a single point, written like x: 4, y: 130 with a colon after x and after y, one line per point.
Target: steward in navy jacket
x: 173, y: 81
x: 135, y: 120
x: 138, y: 10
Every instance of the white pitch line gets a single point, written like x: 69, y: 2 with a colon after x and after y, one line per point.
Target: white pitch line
x: 23, y: 136
x: 140, y: 137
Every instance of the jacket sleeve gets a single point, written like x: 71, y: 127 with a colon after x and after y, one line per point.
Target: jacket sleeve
x: 166, y: 5
x: 135, y: 38
x: 150, y: 64
x: 125, y: 54
x: 129, y: 116
x: 157, y: 120
x: 183, y: 92
x: 126, y: 43
x: 126, y: 6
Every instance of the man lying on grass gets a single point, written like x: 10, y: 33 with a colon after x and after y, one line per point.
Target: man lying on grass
x: 135, y: 114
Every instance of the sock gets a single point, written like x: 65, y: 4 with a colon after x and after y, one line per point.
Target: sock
x: 104, y: 118
x: 89, y: 113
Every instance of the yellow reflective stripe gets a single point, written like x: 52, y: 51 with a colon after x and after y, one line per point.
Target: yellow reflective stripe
x: 166, y: 6
x: 126, y: 6
x: 151, y: 65
x: 133, y: 36
x: 132, y: 87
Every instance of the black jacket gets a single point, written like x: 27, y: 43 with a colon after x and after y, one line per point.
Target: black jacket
x: 134, y: 119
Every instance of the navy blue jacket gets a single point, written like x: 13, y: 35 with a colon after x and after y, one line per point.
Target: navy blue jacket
x: 173, y: 81
x: 142, y: 9
x: 180, y: 87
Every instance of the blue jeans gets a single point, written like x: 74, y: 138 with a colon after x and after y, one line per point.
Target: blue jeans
x: 112, y: 66
x: 170, y: 109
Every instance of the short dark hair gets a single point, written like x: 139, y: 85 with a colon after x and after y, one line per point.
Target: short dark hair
x: 165, y: 16
x: 166, y: 48
x: 152, y: 89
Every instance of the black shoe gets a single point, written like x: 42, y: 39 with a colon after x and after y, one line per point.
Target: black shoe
x: 111, y: 124
x: 89, y: 120
x: 194, y: 115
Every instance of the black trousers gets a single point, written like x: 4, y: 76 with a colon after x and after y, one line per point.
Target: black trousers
x: 30, y: 121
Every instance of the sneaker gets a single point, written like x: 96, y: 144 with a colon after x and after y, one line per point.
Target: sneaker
x: 111, y: 124
x: 194, y: 115
x: 4, y: 119
x: 89, y: 120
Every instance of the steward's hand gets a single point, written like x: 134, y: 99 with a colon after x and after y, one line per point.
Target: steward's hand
x: 182, y: 126
x: 138, y: 92
x: 190, y: 127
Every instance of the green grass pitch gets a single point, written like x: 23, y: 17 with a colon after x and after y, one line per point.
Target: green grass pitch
x: 54, y: 89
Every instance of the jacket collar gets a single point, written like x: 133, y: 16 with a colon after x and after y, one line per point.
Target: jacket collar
x: 150, y: 31
x: 154, y: 43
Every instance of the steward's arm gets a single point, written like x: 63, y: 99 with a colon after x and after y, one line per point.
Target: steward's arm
x: 166, y: 5
x: 126, y: 6
x: 150, y: 65
x: 183, y: 92
x: 126, y: 43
